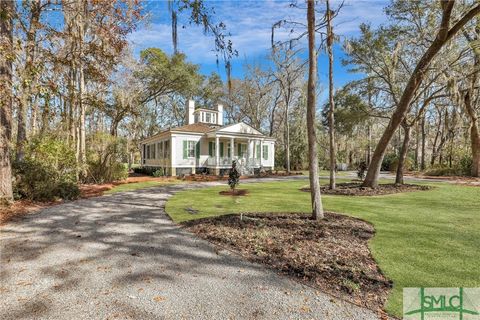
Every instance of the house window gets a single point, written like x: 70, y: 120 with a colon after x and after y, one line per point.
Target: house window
x: 229, y: 152
x: 160, y: 150
x: 242, y: 150
x: 166, y: 149
x: 258, y: 151
x: 265, y: 152
x: 209, y: 117
x: 152, y: 150
x: 189, y: 149
x: 148, y: 152
x: 211, y: 149
x: 197, y: 150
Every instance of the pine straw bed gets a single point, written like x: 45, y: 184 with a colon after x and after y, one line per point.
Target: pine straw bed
x: 331, y: 255
x: 356, y: 189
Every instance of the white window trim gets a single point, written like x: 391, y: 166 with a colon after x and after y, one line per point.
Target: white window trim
x: 193, y: 143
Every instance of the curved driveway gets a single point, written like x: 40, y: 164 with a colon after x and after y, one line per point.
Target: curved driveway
x: 121, y: 257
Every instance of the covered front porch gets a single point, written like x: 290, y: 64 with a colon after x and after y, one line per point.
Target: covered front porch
x: 222, y: 150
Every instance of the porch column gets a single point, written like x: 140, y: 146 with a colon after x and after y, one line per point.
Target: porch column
x: 232, y: 148
x: 173, y: 159
x: 217, y: 152
x: 250, y: 148
x: 254, y: 152
x: 261, y: 152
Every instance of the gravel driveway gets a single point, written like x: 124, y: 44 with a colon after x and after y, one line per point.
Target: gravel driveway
x: 120, y: 257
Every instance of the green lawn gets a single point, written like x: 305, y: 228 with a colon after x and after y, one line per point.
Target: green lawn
x: 427, y: 238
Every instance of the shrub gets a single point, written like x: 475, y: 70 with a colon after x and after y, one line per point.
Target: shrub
x: 150, y: 171
x: 158, y: 173
x: 47, y: 172
x: 408, y: 165
x: 387, y: 162
x: 54, y: 153
x: 362, y: 168
x: 442, y: 171
x: 105, y: 159
x: 67, y: 190
x: 139, y: 170
x: 462, y: 167
x: 233, y: 177
x: 465, y: 165
x: 101, y: 172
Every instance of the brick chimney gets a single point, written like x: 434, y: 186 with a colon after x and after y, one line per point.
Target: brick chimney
x: 220, y: 114
x: 190, y: 110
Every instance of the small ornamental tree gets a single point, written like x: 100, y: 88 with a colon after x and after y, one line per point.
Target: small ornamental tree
x: 233, y: 177
x: 362, y: 168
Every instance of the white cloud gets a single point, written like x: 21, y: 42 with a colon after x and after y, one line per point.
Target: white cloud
x: 250, y: 24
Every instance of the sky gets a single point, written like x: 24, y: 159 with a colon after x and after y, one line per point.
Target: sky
x: 250, y: 23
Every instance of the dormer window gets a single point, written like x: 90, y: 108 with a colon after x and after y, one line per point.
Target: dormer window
x: 204, y: 115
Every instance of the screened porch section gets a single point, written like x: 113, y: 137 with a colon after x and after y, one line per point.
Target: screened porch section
x: 247, y: 152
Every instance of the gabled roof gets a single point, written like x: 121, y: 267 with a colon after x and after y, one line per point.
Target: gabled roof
x: 195, y: 127
x: 203, y: 128
x: 240, y: 127
x: 205, y: 109
x: 188, y: 128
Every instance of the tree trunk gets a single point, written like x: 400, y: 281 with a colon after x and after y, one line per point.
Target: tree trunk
x: 424, y: 137
x: 6, y: 42
x: 82, y: 158
x: 82, y: 145
x: 369, y: 146
x: 317, y: 209
x: 72, y: 105
x: 369, y: 125
x: 27, y: 79
x: 444, y: 34
x: 331, y: 113
x: 435, y: 140
x: 474, y: 135
x: 33, y: 117
x: 403, y: 153
x: 417, y: 145
x: 287, y: 139
x: 45, y: 115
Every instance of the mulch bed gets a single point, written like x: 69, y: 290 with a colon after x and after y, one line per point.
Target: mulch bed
x: 238, y: 192
x: 331, y: 255
x: 356, y: 189
x: 22, y: 207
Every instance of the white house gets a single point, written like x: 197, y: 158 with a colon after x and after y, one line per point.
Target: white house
x: 206, y: 145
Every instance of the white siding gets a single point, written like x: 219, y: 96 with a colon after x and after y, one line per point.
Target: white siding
x: 158, y: 160
x: 271, y: 154
x: 178, y: 159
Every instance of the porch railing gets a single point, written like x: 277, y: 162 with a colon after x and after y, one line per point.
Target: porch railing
x: 227, y: 161
x: 223, y: 161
